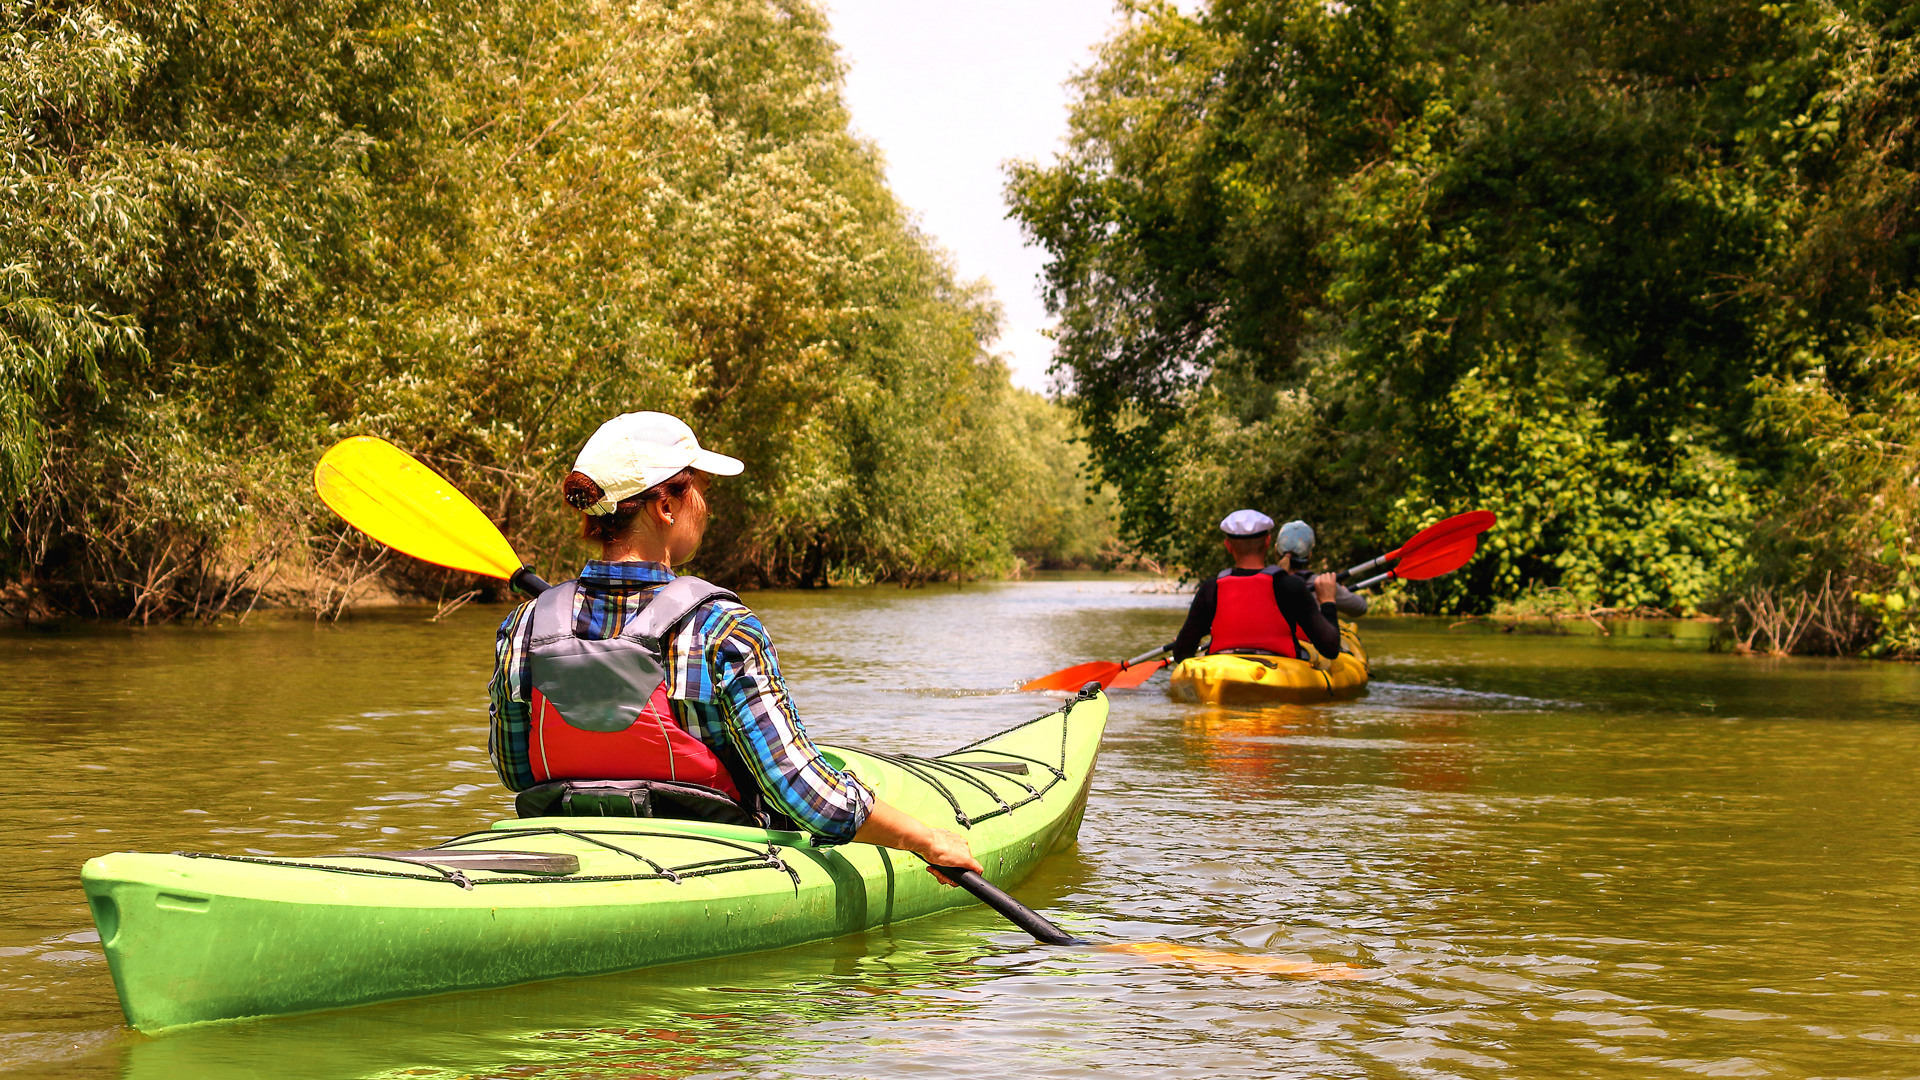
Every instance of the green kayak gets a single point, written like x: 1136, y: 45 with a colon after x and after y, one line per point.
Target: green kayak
x: 193, y: 939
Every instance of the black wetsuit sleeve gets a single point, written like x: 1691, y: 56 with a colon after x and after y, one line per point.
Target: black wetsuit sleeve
x: 1320, y: 622
x: 1199, y: 620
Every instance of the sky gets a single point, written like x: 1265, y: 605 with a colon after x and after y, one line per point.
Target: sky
x: 950, y: 92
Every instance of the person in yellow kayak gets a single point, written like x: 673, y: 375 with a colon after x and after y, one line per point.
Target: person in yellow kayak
x: 1296, y: 544
x: 634, y: 692
x: 1252, y: 607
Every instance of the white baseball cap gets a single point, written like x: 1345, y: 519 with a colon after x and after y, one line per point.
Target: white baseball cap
x: 635, y: 451
x: 1246, y: 523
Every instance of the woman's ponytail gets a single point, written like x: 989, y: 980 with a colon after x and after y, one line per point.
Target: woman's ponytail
x: 581, y: 492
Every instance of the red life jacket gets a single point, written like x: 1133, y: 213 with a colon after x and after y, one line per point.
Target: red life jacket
x: 1246, y: 616
x: 600, y: 708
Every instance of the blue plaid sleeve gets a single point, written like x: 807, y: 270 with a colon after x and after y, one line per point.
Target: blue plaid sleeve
x: 509, y: 712
x: 729, y: 663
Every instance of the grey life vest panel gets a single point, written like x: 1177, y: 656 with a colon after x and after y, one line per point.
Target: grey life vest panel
x: 604, y: 685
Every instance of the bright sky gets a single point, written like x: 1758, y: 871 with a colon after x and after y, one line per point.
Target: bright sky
x: 951, y: 91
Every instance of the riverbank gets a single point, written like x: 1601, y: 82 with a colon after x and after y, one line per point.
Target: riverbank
x: 1779, y: 632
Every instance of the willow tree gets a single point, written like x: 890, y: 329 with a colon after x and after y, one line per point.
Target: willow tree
x: 478, y: 228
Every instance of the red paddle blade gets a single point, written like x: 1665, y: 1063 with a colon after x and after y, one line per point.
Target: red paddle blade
x: 1437, y: 559
x: 1472, y: 523
x: 1077, y: 676
x: 1129, y: 678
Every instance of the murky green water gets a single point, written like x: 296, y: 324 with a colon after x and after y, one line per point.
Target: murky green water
x: 1570, y: 856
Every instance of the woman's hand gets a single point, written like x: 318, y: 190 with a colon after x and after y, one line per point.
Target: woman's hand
x: 892, y: 827
x: 1325, y: 588
x: 945, y: 848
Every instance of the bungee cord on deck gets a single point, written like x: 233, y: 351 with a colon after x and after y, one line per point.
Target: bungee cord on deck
x: 932, y: 771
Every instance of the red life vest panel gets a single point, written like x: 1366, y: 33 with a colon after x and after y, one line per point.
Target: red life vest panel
x: 600, y: 708
x: 1247, y: 616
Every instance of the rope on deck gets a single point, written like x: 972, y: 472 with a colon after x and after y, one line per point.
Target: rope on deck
x: 932, y: 771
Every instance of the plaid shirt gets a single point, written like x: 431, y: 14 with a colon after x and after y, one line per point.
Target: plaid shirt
x: 725, y: 685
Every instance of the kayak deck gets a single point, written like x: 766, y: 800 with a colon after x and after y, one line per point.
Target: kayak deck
x: 1229, y: 678
x: 195, y: 938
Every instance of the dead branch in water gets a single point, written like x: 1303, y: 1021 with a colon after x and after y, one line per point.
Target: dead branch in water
x: 345, y: 569
x: 448, y: 607
x: 1780, y: 626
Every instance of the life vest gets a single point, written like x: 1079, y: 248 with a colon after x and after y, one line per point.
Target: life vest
x: 1246, y: 617
x: 600, y: 708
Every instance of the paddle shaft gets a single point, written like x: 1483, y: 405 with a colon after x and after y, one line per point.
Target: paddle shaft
x: 1369, y: 566
x: 1015, y: 912
x: 528, y: 582
x: 1373, y: 582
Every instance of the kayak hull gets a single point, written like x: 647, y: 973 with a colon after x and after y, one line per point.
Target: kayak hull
x: 192, y: 940
x: 1230, y: 679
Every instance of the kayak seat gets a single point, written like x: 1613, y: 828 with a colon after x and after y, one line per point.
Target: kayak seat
x: 632, y: 799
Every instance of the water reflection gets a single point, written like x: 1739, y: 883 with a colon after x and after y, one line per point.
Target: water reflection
x: 1567, y: 855
x: 1248, y: 746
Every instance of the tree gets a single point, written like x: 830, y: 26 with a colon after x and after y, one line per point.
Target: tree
x: 480, y: 229
x: 1370, y: 263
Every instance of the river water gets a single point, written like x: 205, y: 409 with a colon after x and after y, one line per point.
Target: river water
x: 1566, y: 854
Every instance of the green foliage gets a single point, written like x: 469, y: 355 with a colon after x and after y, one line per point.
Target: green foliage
x: 1629, y: 275
x: 1847, y: 505
x: 1242, y: 442
x: 1054, y: 517
x: 1579, y: 508
x: 1896, y: 606
x: 243, y: 229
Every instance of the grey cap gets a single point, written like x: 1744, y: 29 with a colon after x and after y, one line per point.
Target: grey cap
x: 1246, y: 523
x: 1296, y: 539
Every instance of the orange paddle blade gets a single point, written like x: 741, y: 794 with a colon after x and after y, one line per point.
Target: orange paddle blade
x: 384, y: 492
x: 1130, y: 677
x: 1210, y: 958
x: 1077, y: 676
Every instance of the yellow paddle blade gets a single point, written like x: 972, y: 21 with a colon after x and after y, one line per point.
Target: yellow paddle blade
x: 1209, y: 958
x: 382, y: 491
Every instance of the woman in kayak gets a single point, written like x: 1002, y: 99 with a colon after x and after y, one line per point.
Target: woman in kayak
x: 630, y: 673
x: 1296, y: 543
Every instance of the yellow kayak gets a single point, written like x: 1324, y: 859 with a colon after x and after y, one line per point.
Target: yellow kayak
x: 1232, y: 678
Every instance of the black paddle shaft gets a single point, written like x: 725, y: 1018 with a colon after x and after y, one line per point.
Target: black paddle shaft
x: 1016, y: 912
x: 528, y: 582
